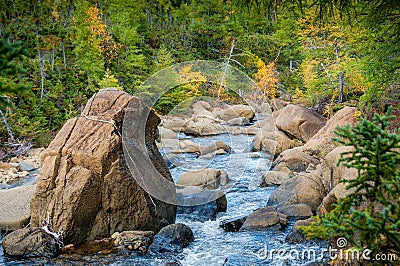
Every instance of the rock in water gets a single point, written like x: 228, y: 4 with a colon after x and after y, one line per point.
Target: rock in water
x: 30, y: 242
x: 232, y: 225
x: 262, y: 219
x: 85, y: 185
x: 172, y: 239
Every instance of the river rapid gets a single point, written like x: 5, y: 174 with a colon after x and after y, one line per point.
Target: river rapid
x: 212, y: 245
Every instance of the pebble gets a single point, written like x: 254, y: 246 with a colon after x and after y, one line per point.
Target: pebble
x: 12, y: 171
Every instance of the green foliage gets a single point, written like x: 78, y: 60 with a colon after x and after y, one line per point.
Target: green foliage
x: 369, y: 217
x: 72, y: 44
x: 9, y: 86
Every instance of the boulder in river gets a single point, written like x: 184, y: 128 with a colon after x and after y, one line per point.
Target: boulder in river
x: 299, y: 122
x: 31, y: 242
x: 203, y: 126
x: 218, y: 145
x: 172, y: 239
x: 235, y: 111
x: 294, y: 160
x: 295, y: 235
x: 207, y: 177
x: 296, y: 211
x: 305, y: 188
x: 188, y: 146
x: 85, y: 186
x: 233, y: 225
x: 262, y: 219
x: 274, y: 178
x: 203, y: 205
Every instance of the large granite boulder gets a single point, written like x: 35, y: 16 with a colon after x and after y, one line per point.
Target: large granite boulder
x: 234, y: 111
x: 322, y: 140
x: 274, y: 178
x: 14, y: 207
x: 305, y: 188
x: 85, y: 186
x: 203, y: 126
x: 299, y: 122
x: 294, y: 160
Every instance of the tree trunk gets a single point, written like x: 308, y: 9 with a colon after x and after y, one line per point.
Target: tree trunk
x: 41, y: 65
x: 8, y: 128
x: 341, y: 85
x: 63, y: 51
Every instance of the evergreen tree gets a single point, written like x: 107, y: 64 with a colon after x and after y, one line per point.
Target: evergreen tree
x: 369, y: 217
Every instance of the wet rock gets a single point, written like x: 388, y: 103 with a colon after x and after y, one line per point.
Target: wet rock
x: 241, y: 260
x: 273, y: 178
x: 232, y: 225
x: 295, y: 235
x: 85, y: 184
x: 134, y: 240
x: 218, y: 145
x: 202, y: 206
x: 172, y: 263
x: 102, y: 246
x: 208, y: 177
x: 296, y: 211
x: 262, y: 219
x: 14, y: 207
x: 27, y: 165
x: 172, y: 239
x: 30, y: 242
x: 302, y: 189
x: 239, y: 121
x: 213, y: 154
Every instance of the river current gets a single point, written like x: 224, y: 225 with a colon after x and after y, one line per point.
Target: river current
x: 212, y: 245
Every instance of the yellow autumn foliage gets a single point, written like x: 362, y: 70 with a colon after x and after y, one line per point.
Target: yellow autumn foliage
x: 266, y: 79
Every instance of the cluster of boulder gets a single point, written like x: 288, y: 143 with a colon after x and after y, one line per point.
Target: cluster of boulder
x: 305, y: 168
x: 208, y: 120
x: 87, y: 193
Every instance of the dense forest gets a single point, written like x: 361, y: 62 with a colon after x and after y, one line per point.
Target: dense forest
x: 326, y: 53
